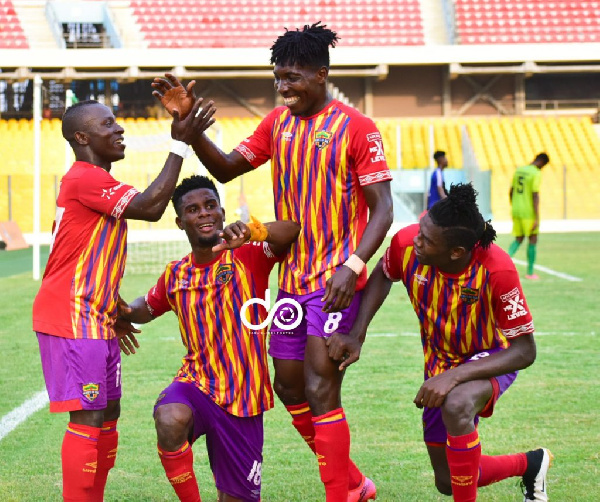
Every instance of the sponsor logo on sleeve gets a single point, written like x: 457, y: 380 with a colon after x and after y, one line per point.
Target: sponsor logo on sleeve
x: 376, y: 147
x: 515, y: 306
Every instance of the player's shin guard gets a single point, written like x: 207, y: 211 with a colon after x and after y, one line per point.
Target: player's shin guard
x: 463, y: 454
x: 107, y: 454
x: 302, y: 421
x: 332, y: 442
x: 531, y: 255
x: 498, y: 467
x: 179, y: 468
x: 79, y: 461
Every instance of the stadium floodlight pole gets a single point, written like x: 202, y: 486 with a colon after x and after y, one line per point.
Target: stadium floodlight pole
x: 37, y: 123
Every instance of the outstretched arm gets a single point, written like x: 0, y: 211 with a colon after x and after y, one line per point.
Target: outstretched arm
x: 150, y: 204
x: 279, y: 234
x: 346, y: 348
x: 340, y: 288
x: 224, y: 167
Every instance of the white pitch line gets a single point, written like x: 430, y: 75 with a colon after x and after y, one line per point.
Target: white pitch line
x: 549, y: 271
x: 13, y: 419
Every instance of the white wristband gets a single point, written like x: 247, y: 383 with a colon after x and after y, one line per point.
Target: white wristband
x: 180, y: 148
x: 355, y: 264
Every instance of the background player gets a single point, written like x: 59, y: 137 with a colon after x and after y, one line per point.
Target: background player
x: 524, y: 197
x: 223, y: 387
x: 329, y: 174
x: 437, y: 188
x: 476, y: 331
x: 75, y: 309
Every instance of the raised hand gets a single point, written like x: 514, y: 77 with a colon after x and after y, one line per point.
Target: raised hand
x: 173, y: 95
x: 194, y: 124
x: 234, y: 235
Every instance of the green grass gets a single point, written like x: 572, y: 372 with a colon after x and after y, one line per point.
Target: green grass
x: 555, y: 403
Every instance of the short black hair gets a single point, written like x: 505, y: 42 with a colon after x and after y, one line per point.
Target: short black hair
x: 459, y: 216
x: 543, y: 157
x: 438, y: 154
x: 307, y: 47
x: 71, y: 119
x: 192, y: 183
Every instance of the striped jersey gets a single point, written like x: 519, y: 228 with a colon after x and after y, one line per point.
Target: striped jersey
x: 78, y: 295
x: 460, y: 315
x: 225, y: 359
x: 318, y: 164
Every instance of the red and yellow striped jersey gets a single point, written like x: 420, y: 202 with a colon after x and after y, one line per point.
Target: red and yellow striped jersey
x: 318, y: 164
x: 78, y: 295
x: 225, y: 359
x: 460, y: 315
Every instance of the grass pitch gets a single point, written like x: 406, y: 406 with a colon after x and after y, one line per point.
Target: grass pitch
x: 554, y: 403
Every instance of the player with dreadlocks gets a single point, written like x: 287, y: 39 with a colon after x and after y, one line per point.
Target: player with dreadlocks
x: 330, y: 175
x: 476, y: 331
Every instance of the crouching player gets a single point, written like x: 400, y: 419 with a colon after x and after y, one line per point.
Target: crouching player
x: 223, y: 386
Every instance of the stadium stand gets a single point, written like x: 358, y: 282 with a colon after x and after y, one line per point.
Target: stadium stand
x: 256, y: 23
x: 526, y: 22
x: 12, y: 35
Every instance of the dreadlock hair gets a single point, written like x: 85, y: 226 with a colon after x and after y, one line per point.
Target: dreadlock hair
x: 192, y: 183
x: 309, y: 47
x: 72, y: 118
x: 459, y: 216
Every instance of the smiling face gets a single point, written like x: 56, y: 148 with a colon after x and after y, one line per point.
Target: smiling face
x: 303, y: 88
x: 201, y: 216
x: 101, y: 134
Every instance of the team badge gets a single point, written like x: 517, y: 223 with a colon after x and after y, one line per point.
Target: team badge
x: 224, y: 273
x: 322, y: 139
x: 91, y: 391
x: 469, y: 295
x: 159, y: 398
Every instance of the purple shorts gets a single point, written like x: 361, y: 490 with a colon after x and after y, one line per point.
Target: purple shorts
x: 234, y: 444
x: 290, y: 343
x: 80, y: 374
x: 434, y: 430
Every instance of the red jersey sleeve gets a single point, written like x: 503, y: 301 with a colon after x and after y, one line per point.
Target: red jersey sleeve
x: 394, y: 255
x: 367, y: 151
x: 257, y: 148
x: 259, y: 256
x: 508, y: 301
x: 99, y: 191
x: 156, y: 298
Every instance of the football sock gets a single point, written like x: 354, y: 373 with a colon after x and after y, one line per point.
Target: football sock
x: 531, y: 254
x: 302, y: 421
x: 498, y: 467
x: 107, y: 454
x: 332, y: 442
x: 179, y: 468
x: 513, y: 248
x: 79, y: 461
x: 463, y: 454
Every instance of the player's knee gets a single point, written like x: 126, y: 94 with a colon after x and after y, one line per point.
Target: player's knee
x: 289, y: 394
x: 458, y: 410
x: 173, y: 424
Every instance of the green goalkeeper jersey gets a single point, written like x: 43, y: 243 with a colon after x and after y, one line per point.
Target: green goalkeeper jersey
x: 525, y: 182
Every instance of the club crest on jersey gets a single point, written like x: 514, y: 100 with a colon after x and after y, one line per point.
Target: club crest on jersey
x: 515, y: 306
x: 322, y: 139
x: 469, y: 295
x: 224, y: 273
x: 91, y: 391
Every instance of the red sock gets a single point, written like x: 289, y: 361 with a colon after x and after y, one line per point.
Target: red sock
x: 79, y: 461
x: 332, y: 442
x: 302, y: 421
x: 499, y: 467
x: 107, y: 454
x: 179, y: 468
x: 463, y: 454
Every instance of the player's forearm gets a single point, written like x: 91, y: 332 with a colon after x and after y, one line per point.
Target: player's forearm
x: 150, y: 205
x: 381, y: 216
x: 219, y: 164
x: 281, y: 234
x: 375, y: 292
